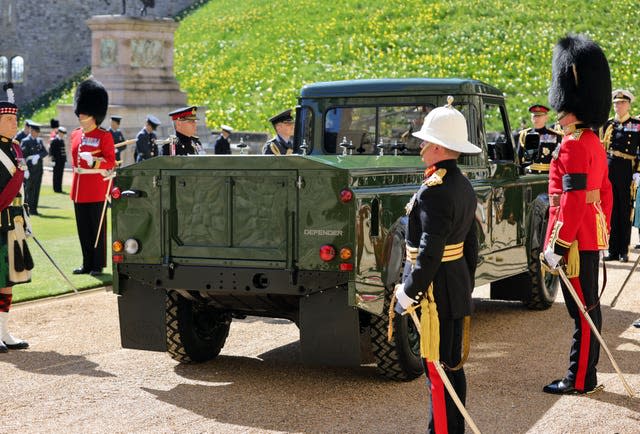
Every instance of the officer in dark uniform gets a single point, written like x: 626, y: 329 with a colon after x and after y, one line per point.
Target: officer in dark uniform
x: 117, y: 135
x: 146, y: 140
x: 186, y: 142
x: 24, y: 132
x: 222, y: 145
x: 34, y: 151
x: 442, y: 254
x: 535, y: 145
x: 282, y: 143
x: 621, y: 139
x: 58, y: 154
x: 579, y: 197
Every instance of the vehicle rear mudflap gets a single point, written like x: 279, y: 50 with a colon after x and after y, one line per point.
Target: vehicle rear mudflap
x: 141, y: 311
x: 329, y: 329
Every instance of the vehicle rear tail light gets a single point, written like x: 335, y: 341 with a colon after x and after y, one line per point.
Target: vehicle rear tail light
x: 346, y: 195
x: 345, y: 253
x: 131, y: 246
x: 327, y: 253
x: 346, y: 266
x: 117, y: 246
x: 115, y: 193
x: 117, y: 259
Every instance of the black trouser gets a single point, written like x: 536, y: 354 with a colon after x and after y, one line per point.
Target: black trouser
x: 585, y: 347
x: 58, y: 170
x: 442, y: 406
x: 87, y: 220
x: 620, y: 175
x: 32, y: 188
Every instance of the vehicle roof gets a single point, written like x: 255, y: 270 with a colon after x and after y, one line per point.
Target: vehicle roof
x: 397, y: 86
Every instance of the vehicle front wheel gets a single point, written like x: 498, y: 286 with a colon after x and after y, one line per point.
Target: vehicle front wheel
x: 195, y: 331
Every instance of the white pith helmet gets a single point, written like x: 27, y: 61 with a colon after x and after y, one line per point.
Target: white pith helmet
x: 447, y: 127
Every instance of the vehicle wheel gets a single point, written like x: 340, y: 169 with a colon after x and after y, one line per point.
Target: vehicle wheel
x: 544, y: 286
x: 399, y: 359
x: 195, y: 332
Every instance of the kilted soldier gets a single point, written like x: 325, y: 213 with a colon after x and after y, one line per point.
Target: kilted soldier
x: 92, y: 155
x: 621, y: 140
x: 579, y: 196
x: 117, y: 135
x: 15, y: 260
x: 146, y: 140
x: 281, y: 144
x: 58, y: 154
x: 185, y: 124
x: 34, y: 151
x: 535, y: 145
x: 442, y: 254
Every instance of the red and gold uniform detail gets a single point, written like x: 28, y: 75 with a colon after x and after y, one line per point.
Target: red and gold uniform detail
x: 91, y: 187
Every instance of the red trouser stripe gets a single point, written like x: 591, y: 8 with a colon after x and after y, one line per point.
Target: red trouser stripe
x: 438, y: 400
x: 585, y: 339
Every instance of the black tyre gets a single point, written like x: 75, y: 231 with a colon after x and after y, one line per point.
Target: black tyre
x: 399, y: 359
x: 544, y: 286
x: 195, y: 332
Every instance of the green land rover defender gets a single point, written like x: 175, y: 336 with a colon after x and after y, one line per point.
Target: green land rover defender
x: 317, y: 238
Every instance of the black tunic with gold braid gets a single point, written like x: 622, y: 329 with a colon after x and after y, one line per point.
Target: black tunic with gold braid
x: 442, y: 250
x: 539, y: 157
x: 621, y: 140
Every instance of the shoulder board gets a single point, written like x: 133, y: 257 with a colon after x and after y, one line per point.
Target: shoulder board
x: 610, y: 119
x: 195, y: 137
x: 103, y: 130
x: 15, y: 142
x: 436, y: 178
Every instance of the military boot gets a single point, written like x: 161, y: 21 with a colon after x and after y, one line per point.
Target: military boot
x: 9, y: 341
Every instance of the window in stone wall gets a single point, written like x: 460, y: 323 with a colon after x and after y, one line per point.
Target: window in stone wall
x: 4, y: 69
x: 17, y: 69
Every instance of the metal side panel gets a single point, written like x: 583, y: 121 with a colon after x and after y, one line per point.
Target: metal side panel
x: 142, y: 317
x: 329, y: 329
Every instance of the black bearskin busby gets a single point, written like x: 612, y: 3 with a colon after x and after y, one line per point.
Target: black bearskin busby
x: 91, y: 99
x: 581, y: 80
x: 54, y: 123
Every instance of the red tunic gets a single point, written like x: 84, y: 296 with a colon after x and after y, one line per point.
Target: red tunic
x: 91, y: 187
x: 580, y: 154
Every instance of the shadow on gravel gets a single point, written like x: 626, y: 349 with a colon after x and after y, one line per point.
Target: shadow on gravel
x: 53, y: 363
x: 514, y: 353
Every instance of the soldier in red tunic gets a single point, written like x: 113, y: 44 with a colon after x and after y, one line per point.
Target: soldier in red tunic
x: 15, y: 260
x: 580, y: 197
x: 92, y: 158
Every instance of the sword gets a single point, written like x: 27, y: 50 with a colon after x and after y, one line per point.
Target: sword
x: 615, y: 299
x: 594, y: 329
x: 54, y: 264
x: 447, y: 383
x: 107, y: 198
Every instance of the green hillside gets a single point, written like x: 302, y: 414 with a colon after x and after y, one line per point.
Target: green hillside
x: 247, y: 60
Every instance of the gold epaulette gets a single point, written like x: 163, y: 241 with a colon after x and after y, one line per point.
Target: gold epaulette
x: 436, y: 178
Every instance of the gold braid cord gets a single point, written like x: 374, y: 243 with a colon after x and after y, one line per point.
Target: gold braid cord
x: 430, y: 329
x: 606, y: 138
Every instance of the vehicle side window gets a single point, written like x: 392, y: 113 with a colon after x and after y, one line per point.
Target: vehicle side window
x: 353, y: 126
x: 470, y: 113
x: 499, y: 143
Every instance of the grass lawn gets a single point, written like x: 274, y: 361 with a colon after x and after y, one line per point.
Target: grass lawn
x: 55, y: 228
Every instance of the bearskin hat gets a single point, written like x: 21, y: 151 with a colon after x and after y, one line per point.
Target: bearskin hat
x: 581, y: 80
x: 54, y: 123
x: 91, y: 99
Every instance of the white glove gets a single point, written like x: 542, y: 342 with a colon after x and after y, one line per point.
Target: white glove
x: 35, y: 158
x: 552, y: 259
x: 404, y: 300
x: 86, y: 156
x: 636, y: 178
x: 26, y: 174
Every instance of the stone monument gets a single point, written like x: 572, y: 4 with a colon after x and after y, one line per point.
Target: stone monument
x: 133, y: 58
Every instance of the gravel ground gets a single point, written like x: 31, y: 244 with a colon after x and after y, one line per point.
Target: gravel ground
x: 75, y: 378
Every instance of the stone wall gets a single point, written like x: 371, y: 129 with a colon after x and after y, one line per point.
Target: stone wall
x: 53, y: 37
